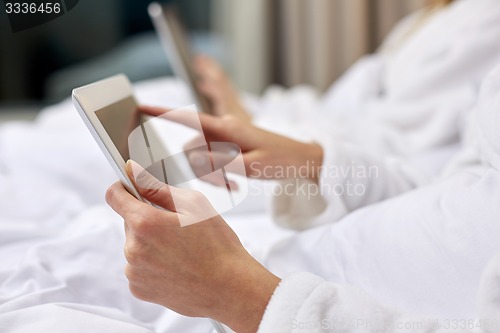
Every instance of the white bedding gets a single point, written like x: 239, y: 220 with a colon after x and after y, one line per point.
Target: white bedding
x: 61, y: 246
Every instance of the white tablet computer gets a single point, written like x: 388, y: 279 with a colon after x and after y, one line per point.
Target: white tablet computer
x: 110, y: 111
x: 173, y: 38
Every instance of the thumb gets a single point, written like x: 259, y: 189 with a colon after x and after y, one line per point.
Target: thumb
x: 149, y: 187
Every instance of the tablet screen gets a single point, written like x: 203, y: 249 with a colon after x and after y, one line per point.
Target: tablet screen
x: 119, y: 120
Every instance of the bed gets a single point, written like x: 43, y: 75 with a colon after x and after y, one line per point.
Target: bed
x: 61, y: 245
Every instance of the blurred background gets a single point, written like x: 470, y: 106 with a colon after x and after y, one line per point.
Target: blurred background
x: 258, y: 42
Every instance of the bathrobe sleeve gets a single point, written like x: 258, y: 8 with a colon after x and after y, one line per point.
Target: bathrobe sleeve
x: 398, y: 136
x: 306, y: 303
x: 351, y: 177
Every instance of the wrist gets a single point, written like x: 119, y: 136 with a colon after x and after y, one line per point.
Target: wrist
x: 314, y: 161
x: 245, y: 296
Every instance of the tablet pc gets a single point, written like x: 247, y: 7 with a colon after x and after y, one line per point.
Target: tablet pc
x: 110, y: 112
x: 173, y: 38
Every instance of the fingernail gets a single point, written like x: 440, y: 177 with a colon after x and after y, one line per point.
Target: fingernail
x: 136, y: 170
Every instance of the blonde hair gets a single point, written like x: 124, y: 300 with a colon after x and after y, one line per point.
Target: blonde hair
x: 432, y: 6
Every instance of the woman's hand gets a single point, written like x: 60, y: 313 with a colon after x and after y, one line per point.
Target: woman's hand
x: 200, y: 270
x: 266, y: 155
x: 217, y: 87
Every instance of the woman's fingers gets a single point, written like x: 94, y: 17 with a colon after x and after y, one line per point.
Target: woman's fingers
x: 122, y: 201
x: 152, y: 110
x: 149, y: 187
x: 210, y: 125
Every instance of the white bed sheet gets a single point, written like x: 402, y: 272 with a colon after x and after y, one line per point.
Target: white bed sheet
x: 61, y: 246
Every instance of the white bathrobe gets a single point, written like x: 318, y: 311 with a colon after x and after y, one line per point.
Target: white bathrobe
x: 394, y: 120
x: 419, y: 262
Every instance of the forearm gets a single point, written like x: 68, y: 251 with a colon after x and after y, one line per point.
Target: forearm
x: 306, y: 158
